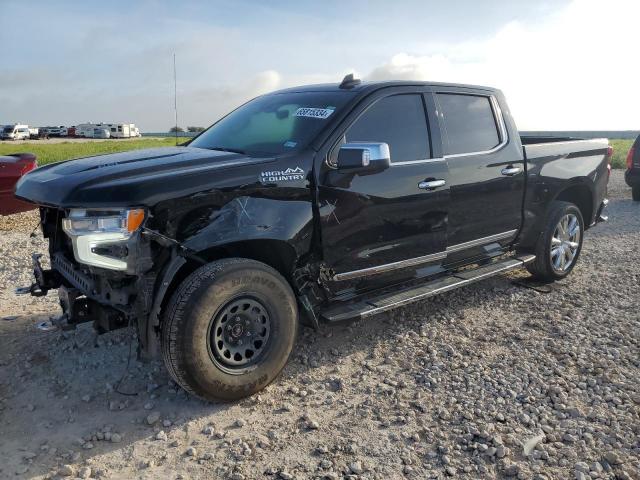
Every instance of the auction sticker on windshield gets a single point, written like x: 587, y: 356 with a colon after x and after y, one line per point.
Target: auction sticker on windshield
x: 314, y: 112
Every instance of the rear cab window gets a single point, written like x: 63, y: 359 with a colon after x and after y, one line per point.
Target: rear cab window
x: 469, y: 122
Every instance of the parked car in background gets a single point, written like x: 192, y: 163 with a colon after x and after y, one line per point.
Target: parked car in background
x: 12, y: 168
x: 34, y: 133
x: 71, y: 131
x: 632, y: 175
x: 60, y: 131
x: 333, y: 201
x: 101, y: 133
x: 15, y: 132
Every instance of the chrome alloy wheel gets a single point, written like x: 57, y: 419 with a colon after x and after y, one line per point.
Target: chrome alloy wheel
x: 239, y: 334
x: 565, y: 243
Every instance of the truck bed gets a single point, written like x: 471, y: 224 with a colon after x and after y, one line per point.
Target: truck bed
x: 542, y: 147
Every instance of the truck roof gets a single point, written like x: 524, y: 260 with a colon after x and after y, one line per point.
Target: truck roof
x: 365, y: 87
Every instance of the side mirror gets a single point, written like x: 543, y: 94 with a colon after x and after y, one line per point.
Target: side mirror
x: 364, y: 157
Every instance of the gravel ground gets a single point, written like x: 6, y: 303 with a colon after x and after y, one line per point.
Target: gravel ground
x: 492, y: 381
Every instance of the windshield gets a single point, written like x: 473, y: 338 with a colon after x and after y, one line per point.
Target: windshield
x: 273, y: 124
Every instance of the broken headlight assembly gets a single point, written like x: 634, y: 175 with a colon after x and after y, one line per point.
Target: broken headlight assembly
x: 101, y: 237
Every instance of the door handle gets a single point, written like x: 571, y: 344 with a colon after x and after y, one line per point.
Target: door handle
x: 510, y: 171
x: 431, y: 184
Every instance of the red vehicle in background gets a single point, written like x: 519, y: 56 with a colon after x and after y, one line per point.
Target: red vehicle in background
x: 71, y: 131
x: 632, y: 175
x: 12, y: 168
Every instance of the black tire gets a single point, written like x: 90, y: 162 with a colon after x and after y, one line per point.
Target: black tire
x: 191, y: 354
x: 542, y: 267
x: 635, y: 193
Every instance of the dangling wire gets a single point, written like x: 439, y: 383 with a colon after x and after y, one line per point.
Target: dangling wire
x: 126, y: 370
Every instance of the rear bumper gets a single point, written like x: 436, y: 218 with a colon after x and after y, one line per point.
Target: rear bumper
x: 9, y: 204
x: 600, y: 215
x: 632, y: 177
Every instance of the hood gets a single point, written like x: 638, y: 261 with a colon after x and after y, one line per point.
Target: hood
x: 137, y: 177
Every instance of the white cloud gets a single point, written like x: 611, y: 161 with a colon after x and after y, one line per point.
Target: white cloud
x: 577, y: 70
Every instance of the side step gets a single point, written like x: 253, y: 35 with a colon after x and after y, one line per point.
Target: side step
x: 388, y: 301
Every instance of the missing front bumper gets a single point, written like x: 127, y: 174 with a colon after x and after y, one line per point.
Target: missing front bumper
x: 77, y: 293
x: 45, y: 280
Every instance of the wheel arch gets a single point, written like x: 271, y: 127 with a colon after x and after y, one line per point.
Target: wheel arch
x: 277, y: 254
x: 582, y: 197
x: 539, y: 202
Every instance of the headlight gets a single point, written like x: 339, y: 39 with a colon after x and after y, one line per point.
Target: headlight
x: 99, y: 236
x: 83, y: 222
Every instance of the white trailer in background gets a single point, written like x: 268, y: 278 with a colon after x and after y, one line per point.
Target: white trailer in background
x: 122, y: 130
x: 85, y: 129
x: 116, y: 130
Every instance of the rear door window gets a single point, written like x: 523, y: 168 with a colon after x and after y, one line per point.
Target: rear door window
x: 469, y: 123
x: 399, y: 121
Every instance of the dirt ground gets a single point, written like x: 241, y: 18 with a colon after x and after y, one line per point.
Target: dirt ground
x: 491, y: 381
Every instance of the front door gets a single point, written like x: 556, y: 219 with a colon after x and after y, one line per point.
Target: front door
x: 388, y: 221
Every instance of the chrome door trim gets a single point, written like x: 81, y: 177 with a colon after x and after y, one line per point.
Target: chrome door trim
x: 412, y: 162
x: 481, y: 241
x: 410, y: 262
x: 389, y: 266
x: 502, y: 128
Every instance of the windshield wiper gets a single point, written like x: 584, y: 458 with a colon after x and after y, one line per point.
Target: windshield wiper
x: 230, y: 150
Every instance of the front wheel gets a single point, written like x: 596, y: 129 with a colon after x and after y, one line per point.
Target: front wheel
x: 229, y: 329
x: 635, y: 193
x: 560, y: 243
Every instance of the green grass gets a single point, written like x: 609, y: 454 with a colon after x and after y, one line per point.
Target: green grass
x: 620, y: 150
x: 56, y: 152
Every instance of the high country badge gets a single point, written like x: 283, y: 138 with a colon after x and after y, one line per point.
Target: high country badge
x: 288, y: 175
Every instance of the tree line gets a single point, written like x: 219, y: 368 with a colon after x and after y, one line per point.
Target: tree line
x: 189, y: 129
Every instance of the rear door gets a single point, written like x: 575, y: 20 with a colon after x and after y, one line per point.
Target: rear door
x: 486, y: 172
x: 385, y: 222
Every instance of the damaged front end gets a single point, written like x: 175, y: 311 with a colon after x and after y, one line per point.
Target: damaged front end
x: 101, y: 265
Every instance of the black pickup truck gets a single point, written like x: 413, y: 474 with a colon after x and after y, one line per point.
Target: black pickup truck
x: 319, y: 203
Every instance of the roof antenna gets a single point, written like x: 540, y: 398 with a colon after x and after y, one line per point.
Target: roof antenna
x: 349, y: 81
x: 175, y: 96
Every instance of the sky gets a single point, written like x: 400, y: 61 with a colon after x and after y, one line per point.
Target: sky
x: 562, y: 64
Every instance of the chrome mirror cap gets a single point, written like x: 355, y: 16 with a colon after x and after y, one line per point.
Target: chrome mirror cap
x: 364, y: 156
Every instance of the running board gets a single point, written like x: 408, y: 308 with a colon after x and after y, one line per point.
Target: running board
x: 388, y: 301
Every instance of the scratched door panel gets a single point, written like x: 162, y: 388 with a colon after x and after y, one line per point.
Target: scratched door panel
x: 373, y: 220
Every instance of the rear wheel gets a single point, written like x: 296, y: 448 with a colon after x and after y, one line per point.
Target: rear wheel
x: 635, y: 193
x: 560, y: 243
x: 229, y: 329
